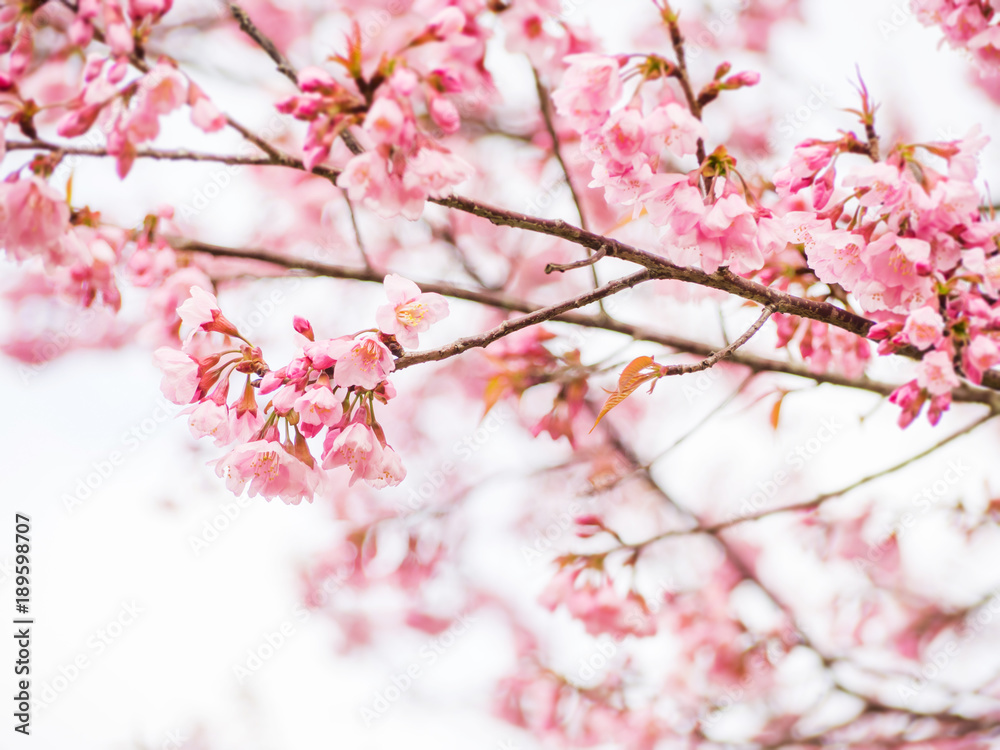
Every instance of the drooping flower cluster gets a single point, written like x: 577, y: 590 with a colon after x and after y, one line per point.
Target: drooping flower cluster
x: 131, y: 114
x: 332, y: 386
x: 636, y: 151
x: 79, y: 257
x: 401, y: 165
x: 967, y: 24
x: 122, y: 37
x: 911, y: 246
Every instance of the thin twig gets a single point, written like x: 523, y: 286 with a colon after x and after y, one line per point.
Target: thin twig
x: 720, y: 355
x: 702, y: 422
x: 588, y: 261
x: 357, y: 232
x: 677, y: 42
x: 264, y: 42
x: 815, y: 502
x: 545, y: 105
x: 534, y: 318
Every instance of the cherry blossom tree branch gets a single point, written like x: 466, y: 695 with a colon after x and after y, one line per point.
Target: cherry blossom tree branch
x: 720, y: 355
x: 871, y: 702
x: 589, y: 261
x: 263, y: 41
x: 155, y: 153
x: 491, y: 298
x: 141, y: 65
x: 677, y: 42
x: 723, y: 279
x: 702, y: 422
x: 357, y: 231
x: 731, y: 553
x: 509, y: 326
x: 545, y: 104
x: 283, y: 65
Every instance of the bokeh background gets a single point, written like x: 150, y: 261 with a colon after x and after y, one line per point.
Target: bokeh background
x: 165, y: 585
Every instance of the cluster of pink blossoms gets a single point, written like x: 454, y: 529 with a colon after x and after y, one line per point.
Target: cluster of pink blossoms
x: 401, y: 165
x: 19, y: 21
x: 35, y: 228
x: 592, y: 600
x: 911, y: 245
x: 331, y: 386
x: 585, y: 587
x: 636, y: 151
x: 132, y: 113
x: 967, y: 24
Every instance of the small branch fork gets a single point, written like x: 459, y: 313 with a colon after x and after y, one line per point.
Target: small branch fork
x: 720, y: 355
x: 588, y: 261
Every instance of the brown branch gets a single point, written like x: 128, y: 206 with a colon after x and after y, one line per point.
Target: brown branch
x: 746, y: 571
x: 720, y: 355
x: 588, y: 261
x: 723, y: 279
x: 142, y: 153
x: 677, y: 42
x: 264, y: 42
x: 545, y: 105
x: 534, y: 318
x: 278, y: 158
x: 755, y: 363
x: 357, y: 231
x: 283, y: 65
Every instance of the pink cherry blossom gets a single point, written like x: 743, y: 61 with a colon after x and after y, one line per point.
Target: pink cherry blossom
x: 589, y: 89
x: 598, y: 606
x: 270, y: 471
x: 180, y: 374
x: 363, y: 361
x: 201, y: 312
x: 923, y: 328
x: 385, y: 121
x: 317, y: 408
x: 204, y: 114
x: 936, y: 375
x: 979, y: 356
x: 409, y: 311
x: 358, y: 448
x: 34, y: 216
x: 210, y: 418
